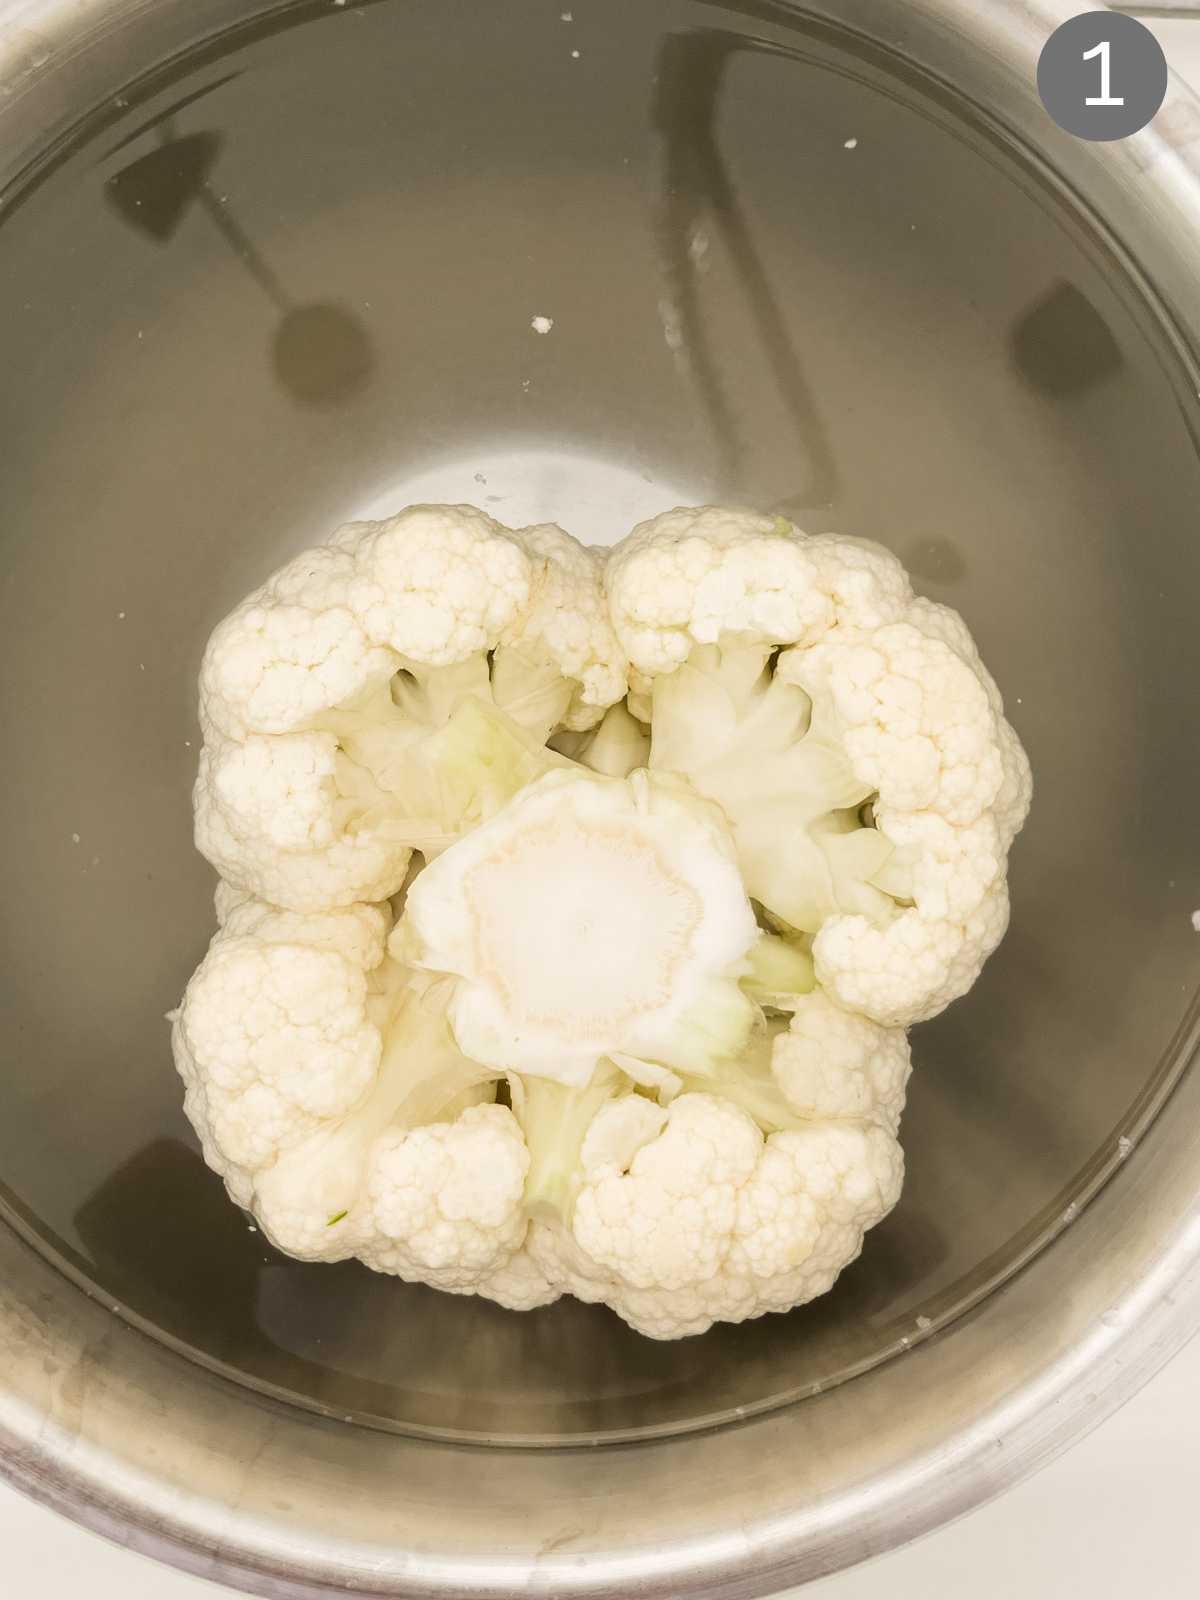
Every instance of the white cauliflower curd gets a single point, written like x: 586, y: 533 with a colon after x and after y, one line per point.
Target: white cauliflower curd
x: 575, y: 903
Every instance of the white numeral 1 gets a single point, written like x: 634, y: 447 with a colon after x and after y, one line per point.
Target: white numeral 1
x: 1104, y: 98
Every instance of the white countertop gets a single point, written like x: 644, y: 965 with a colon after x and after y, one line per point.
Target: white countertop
x: 1115, y: 1515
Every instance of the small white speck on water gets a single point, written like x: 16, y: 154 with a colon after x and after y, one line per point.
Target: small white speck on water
x: 1124, y: 1146
x: 568, y: 16
x: 141, y: 666
x: 74, y: 838
x: 850, y: 144
x: 541, y: 324
x: 95, y: 861
x: 525, y: 382
x: 141, y: 335
x: 924, y: 1322
x: 574, y: 55
x: 252, y: 1229
x: 1019, y: 702
x: 1071, y: 1212
x: 905, y: 1341
x: 187, y: 744
x: 1196, y: 921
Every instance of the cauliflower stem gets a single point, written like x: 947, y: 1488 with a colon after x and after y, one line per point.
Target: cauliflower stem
x: 555, y: 1119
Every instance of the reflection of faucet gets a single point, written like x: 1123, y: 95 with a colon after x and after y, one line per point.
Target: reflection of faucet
x: 321, y: 353
x: 687, y: 90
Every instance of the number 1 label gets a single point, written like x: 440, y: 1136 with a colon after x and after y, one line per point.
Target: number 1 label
x: 1067, y: 74
x: 1104, y: 98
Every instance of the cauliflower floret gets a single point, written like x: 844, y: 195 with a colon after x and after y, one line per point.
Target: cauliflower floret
x: 359, y: 933
x: 381, y: 693
x: 269, y: 814
x: 744, y: 1195
x: 521, y: 1284
x: 273, y: 1035
x: 688, y: 576
x: 289, y: 650
x: 437, y: 583
x: 1011, y: 805
x: 914, y: 965
x: 566, y: 623
x: 913, y: 718
x: 866, y: 583
x: 665, y: 1217
x: 833, y: 1063
x: 692, y: 576
x: 226, y: 900
x: 447, y: 1201
x: 710, y: 1221
x: 870, y: 780
x: 327, y: 1090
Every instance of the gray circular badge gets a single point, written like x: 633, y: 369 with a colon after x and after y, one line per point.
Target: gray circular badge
x: 1102, y: 75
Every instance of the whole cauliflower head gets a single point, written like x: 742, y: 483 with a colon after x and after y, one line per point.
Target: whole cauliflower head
x: 574, y: 908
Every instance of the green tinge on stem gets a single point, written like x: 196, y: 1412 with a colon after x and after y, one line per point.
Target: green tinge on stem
x: 716, y: 1030
x: 617, y: 746
x: 555, y: 1118
x: 752, y: 1088
x: 422, y: 1071
x: 530, y: 688
x: 781, y: 970
x: 420, y: 784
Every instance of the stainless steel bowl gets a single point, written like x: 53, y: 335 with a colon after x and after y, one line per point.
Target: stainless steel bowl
x: 267, y: 266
